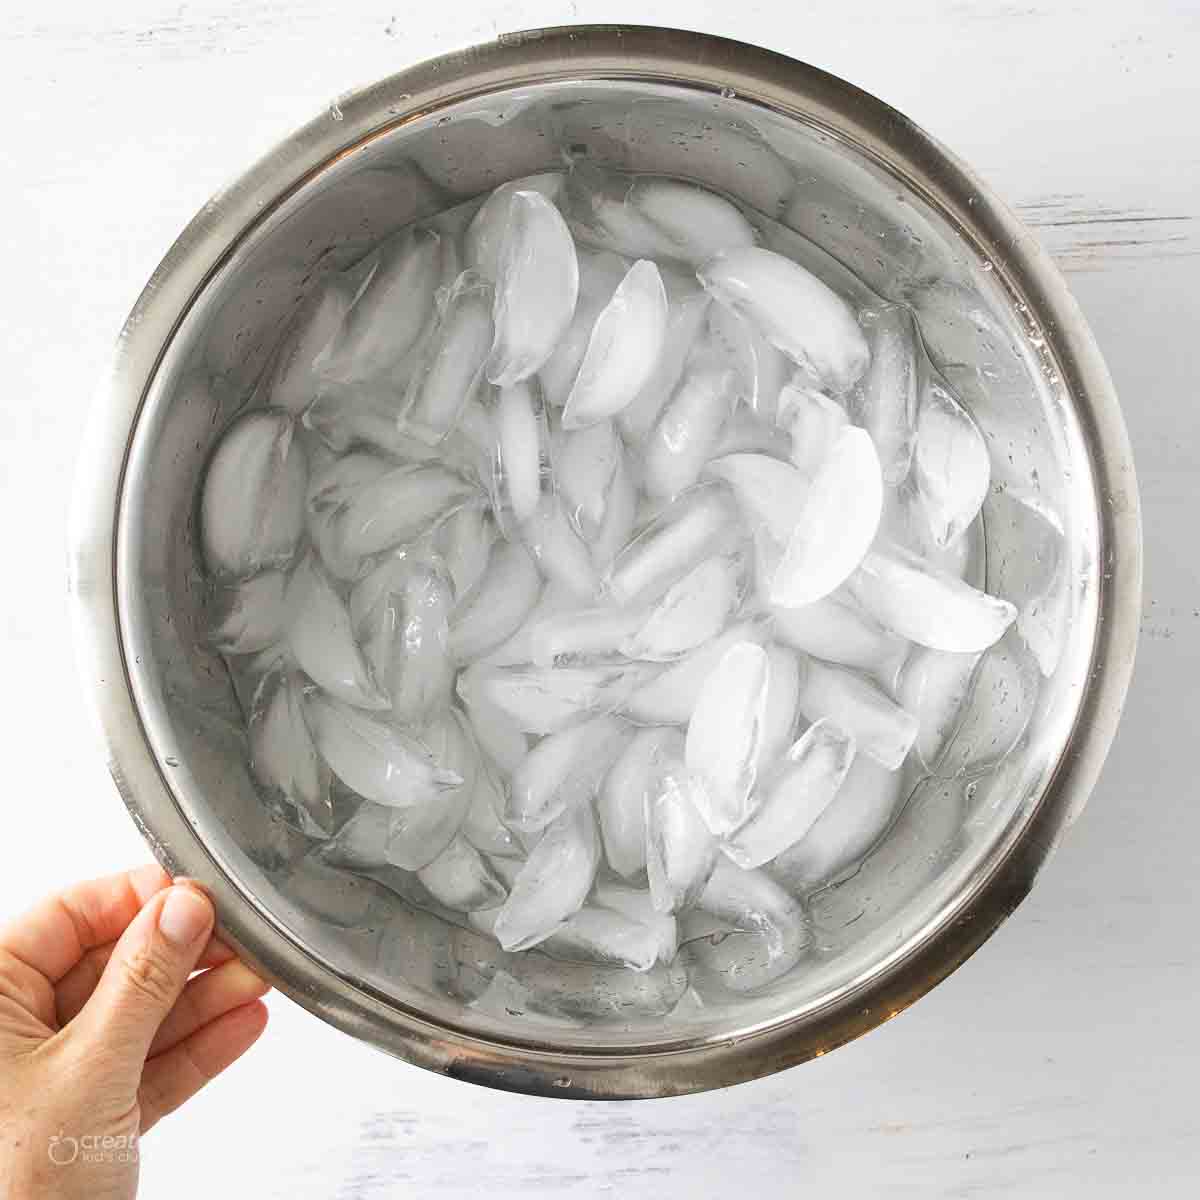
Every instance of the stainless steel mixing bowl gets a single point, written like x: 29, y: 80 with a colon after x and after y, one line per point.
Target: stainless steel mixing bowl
x: 824, y: 160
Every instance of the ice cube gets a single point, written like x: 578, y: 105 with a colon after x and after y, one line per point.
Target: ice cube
x: 621, y: 805
x: 688, y: 429
x: 247, y: 672
x: 886, y: 403
x: 380, y: 585
x: 794, y: 798
x: 928, y: 606
x: 485, y: 234
x: 623, y: 349
x: 317, y: 323
x: 670, y: 698
x: 464, y: 541
x: 451, y: 369
x: 1034, y: 574
x: 321, y: 458
x: 679, y: 282
x: 924, y: 843
x: 476, y: 426
x: 400, y: 615
x: 507, y: 591
x: 746, y: 433
x: 460, y: 878
x: 725, y: 734
x: 635, y: 903
x: 507, y: 868
x: 998, y: 709
x: 585, y: 994
x: 779, y: 716
x: 620, y: 516
x: 879, y: 726
x: 762, y: 370
x: 331, y: 488
x: 793, y: 310
x: 596, y: 934
x: 813, y: 421
x: 951, y: 468
x: 349, y: 416
x: 855, y: 820
x: 837, y: 525
x: 482, y: 826
x: 419, y: 833
x: 252, y: 504
x: 546, y: 699
x: 904, y: 523
x: 361, y: 843
x: 560, y: 553
x: 693, y: 611
x: 563, y: 770
x: 497, y: 734
x: 392, y: 308
x: 837, y: 630
x: 583, y: 633
x: 689, y: 530
x: 322, y: 641
x: 471, y: 445
x: 585, y: 461
x: 519, y: 649
x: 765, y: 931
x: 697, y: 223
x: 283, y: 757
x: 250, y: 614
x: 771, y: 493
x: 537, y: 284
x: 378, y: 761
x: 553, y: 883
x: 680, y: 851
x: 600, y: 274
x: 933, y: 686
x: 522, y: 442
x: 399, y: 506
x: 966, y: 559
x: 685, y: 320
x: 599, y: 215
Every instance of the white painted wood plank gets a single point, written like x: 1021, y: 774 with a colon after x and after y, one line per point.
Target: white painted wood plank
x: 1058, y: 1062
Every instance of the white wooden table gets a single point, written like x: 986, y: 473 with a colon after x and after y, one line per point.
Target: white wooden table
x: 1061, y: 1061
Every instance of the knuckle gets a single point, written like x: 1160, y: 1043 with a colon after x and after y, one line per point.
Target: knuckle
x: 148, y: 974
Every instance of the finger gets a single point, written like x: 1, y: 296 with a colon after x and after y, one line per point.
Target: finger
x: 179, y: 1073
x: 145, y: 975
x: 214, y: 954
x: 80, y: 981
x: 26, y: 990
x: 55, y: 934
x: 207, y: 997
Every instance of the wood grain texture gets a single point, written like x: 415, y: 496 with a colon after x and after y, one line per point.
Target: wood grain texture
x: 1059, y: 1062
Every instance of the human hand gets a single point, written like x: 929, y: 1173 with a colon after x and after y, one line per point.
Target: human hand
x: 102, y: 1032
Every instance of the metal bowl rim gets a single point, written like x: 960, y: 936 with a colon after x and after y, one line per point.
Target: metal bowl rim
x: 688, y: 60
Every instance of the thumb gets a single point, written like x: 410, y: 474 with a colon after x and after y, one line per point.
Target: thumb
x: 144, y: 976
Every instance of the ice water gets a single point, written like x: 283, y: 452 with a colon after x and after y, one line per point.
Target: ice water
x: 590, y: 558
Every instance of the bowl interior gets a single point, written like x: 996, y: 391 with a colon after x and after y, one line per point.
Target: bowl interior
x: 855, y: 221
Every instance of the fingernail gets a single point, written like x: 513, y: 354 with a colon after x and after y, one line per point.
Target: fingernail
x: 184, y: 916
